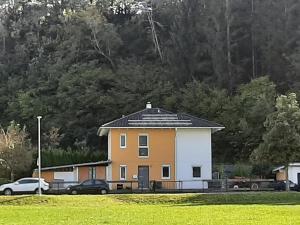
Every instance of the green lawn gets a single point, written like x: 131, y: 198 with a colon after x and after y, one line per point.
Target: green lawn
x: 181, y: 209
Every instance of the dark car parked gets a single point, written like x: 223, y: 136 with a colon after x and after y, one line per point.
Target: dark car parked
x: 280, y: 186
x: 89, y: 187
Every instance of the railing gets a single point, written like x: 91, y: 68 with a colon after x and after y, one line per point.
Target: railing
x: 60, y: 187
x: 164, y: 186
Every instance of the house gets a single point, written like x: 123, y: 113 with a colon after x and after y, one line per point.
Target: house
x: 155, y: 144
x: 293, y: 173
x: 74, y: 173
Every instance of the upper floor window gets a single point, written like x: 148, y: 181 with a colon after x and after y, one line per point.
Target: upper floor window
x: 143, y: 145
x: 196, y: 171
x: 123, y: 141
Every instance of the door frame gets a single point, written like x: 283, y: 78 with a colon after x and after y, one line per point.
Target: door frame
x: 145, y: 166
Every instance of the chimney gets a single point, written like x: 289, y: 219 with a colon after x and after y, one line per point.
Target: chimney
x: 148, y: 105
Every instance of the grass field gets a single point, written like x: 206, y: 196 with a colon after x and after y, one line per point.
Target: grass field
x: 181, y: 209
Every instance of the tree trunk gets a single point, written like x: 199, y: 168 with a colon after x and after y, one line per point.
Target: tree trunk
x: 228, y: 35
x: 154, y: 35
x: 253, y: 40
x: 12, y: 176
x: 4, y: 45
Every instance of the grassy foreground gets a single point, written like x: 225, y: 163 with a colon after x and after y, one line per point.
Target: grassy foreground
x: 181, y: 209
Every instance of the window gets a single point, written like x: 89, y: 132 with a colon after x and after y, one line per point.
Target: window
x: 87, y: 182
x: 66, y: 169
x: 196, y: 171
x: 123, y: 141
x: 92, y: 172
x: 166, y: 172
x: 28, y: 181
x: 123, y: 171
x: 143, y: 146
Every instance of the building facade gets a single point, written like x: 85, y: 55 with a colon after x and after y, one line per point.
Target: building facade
x: 157, y: 145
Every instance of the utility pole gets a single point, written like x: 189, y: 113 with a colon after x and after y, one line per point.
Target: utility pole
x: 39, y: 153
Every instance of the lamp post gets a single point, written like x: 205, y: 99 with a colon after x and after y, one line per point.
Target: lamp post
x: 39, y: 153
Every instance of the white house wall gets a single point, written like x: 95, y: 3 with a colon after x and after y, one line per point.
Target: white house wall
x: 66, y: 176
x: 293, y: 173
x: 193, y: 148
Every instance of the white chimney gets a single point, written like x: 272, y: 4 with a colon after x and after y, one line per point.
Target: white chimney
x: 148, y: 105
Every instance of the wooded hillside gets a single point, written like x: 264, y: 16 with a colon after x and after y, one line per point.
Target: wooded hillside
x: 80, y: 65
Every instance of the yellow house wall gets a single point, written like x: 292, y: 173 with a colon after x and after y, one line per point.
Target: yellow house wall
x: 281, y: 175
x: 161, y: 144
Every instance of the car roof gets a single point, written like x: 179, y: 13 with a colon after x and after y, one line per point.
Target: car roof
x: 30, y: 178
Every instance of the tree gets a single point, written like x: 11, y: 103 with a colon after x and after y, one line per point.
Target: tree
x: 255, y: 101
x: 15, y: 149
x: 281, y: 141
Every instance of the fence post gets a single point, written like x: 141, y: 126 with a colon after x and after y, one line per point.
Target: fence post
x: 154, y: 186
x: 226, y: 183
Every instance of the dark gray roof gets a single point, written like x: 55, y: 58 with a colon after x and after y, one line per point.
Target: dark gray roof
x: 156, y: 117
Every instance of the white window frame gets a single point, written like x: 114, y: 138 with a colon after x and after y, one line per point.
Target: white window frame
x: 162, y: 172
x: 123, y: 166
x: 147, y: 135
x: 123, y: 135
x: 197, y: 178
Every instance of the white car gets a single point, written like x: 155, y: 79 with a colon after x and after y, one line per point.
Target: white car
x: 24, y: 185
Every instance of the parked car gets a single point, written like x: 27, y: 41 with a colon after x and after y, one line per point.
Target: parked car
x: 24, y: 185
x: 89, y: 187
x: 281, y: 186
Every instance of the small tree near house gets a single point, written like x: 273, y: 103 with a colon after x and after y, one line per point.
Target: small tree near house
x: 15, y: 149
x: 281, y: 140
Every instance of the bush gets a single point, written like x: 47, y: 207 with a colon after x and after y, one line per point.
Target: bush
x: 58, y: 156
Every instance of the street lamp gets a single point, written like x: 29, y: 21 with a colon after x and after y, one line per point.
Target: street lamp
x: 39, y: 153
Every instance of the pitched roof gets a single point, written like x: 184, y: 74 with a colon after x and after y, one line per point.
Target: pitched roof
x: 159, y: 118
x: 99, y: 163
x: 296, y: 164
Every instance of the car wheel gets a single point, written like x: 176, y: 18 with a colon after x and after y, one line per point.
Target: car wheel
x: 254, y: 187
x: 37, y: 191
x: 7, y: 192
x: 103, y: 191
x: 74, y: 192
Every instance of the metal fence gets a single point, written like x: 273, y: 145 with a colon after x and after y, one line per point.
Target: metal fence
x: 165, y: 186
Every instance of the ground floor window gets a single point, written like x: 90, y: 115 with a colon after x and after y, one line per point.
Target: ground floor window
x: 123, y: 172
x: 92, y: 172
x: 166, y: 172
x: 196, y: 171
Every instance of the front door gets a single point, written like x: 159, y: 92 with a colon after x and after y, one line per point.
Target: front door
x: 298, y: 175
x: 143, y: 176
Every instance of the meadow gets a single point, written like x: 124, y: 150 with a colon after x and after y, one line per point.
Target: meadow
x: 148, y: 209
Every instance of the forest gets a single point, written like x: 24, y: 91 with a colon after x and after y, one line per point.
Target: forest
x: 80, y: 64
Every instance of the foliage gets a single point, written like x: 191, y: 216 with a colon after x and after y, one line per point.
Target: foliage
x: 82, y: 63
x: 59, y: 157
x: 15, y: 149
x: 281, y: 141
